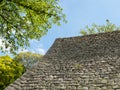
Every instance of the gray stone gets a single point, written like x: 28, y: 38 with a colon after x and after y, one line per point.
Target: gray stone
x: 89, y: 62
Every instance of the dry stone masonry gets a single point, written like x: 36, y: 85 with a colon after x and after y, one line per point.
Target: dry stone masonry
x: 78, y: 63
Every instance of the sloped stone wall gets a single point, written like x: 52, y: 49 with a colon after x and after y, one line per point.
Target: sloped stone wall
x: 78, y: 63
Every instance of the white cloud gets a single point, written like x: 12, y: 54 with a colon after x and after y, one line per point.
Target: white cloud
x: 0, y: 42
x: 40, y: 50
x: 33, y: 50
x: 23, y: 50
x: 37, y: 47
x: 34, y: 41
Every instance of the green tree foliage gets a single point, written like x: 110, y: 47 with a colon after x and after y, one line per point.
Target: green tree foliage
x: 10, y: 70
x: 23, y: 20
x: 28, y: 59
x: 109, y: 27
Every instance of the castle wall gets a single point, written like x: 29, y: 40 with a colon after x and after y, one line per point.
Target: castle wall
x: 78, y: 63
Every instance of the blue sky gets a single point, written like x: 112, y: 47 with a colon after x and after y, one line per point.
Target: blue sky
x: 79, y: 13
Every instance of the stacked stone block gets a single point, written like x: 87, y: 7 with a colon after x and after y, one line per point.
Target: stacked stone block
x: 78, y: 63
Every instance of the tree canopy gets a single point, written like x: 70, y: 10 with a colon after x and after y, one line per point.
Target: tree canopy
x: 23, y: 20
x: 109, y: 27
x: 28, y: 59
x: 10, y: 70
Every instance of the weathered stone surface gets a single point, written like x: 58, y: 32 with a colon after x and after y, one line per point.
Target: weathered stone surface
x: 78, y: 63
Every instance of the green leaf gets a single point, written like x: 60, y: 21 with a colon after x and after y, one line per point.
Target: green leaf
x: 29, y: 19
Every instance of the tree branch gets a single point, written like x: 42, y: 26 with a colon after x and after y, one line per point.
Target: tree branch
x: 35, y: 10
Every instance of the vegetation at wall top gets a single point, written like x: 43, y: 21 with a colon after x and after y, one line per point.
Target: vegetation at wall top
x: 109, y: 27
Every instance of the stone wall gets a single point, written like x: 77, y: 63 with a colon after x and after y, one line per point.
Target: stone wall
x: 78, y: 63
